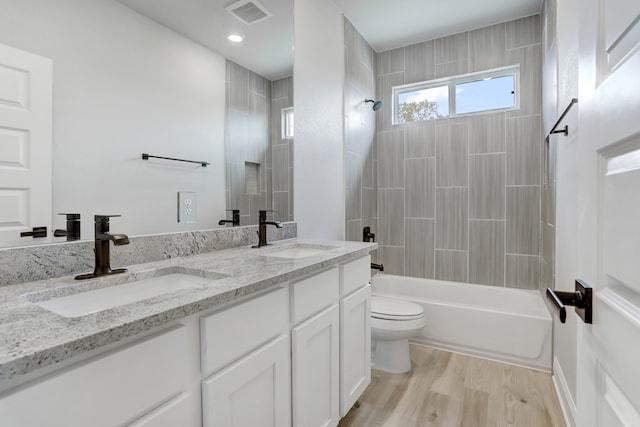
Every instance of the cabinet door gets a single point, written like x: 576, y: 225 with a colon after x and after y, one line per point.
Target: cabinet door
x: 253, y: 392
x: 355, y: 347
x: 173, y: 413
x: 315, y: 370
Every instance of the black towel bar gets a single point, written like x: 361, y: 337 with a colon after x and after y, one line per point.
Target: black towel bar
x: 146, y: 156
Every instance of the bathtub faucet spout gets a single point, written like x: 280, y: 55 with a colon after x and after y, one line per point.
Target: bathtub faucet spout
x: 377, y: 267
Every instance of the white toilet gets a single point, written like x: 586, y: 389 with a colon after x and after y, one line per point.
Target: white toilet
x: 393, y: 322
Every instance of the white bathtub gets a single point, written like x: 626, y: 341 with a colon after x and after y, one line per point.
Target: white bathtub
x: 507, y: 325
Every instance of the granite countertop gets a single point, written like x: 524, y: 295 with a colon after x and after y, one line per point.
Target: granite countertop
x: 32, y: 337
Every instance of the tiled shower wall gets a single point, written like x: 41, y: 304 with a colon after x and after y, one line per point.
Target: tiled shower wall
x: 360, y: 186
x: 281, y: 182
x: 258, y: 162
x: 459, y: 199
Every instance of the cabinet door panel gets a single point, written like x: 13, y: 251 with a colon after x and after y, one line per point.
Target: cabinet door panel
x: 316, y: 371
x: 355, y: 347
x: 253, y: 392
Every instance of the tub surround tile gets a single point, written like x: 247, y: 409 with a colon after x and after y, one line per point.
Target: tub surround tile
x: 420, y: 188
x: 34, y: 338
x: 523, y: 32
x: 390, y: 159
x: 420, y: 255
x: 487, y: 48
x: 530, y: 60
x: 451, y: 218
x: 486, y: 186
x: 390, y: 61
x: 451, y: 265
x: 486, y: 252
x: 522, y: 271
x: 486, y: 133
x: 391, y: 221
x: 453, y: 68
x: 392, y: 257
x: 523, y: 220
x: 420, y: 139
x: 524, y: 147
x: 452, y: 48
x: 384, y: 86
x: 452, y: 149
x: 419, y: 64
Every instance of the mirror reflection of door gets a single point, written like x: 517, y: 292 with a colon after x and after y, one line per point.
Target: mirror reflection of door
x: 25, y: 146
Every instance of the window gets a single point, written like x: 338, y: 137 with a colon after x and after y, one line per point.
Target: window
x: 287, y: 123
x: 471, y: 93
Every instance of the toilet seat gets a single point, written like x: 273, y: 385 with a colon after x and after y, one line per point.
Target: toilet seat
x: 394, y: 309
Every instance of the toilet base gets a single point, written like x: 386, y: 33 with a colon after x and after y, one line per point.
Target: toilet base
x: 392, y: 356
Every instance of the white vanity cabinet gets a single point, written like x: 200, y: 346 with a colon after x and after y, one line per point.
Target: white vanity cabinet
x: 331, y: 350
x: 296, y: 354
x: 113, y: 389
x: 355, y: 331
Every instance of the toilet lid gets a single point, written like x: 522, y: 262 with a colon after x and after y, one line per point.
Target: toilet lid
x: 394, y: 309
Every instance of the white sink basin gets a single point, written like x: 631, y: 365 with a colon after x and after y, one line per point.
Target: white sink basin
x: 89, y: 302
x: 297, y: 251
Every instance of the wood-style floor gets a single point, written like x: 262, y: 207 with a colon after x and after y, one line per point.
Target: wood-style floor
x: 448, y: 389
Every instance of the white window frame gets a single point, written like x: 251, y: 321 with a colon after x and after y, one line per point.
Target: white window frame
x: 284, y: 120
x: 451, y: 82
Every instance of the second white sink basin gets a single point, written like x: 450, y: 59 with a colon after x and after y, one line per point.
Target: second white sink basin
x: 89, y: 302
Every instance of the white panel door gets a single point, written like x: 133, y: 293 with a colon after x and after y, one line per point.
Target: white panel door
x: 315, y: 372
x: 253, y: 392
x: 608, y: 351
x: 355, y: 347
x: 25, y: 145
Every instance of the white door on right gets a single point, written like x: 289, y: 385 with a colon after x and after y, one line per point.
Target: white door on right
x: 608, y: 358
x: 25, y: 145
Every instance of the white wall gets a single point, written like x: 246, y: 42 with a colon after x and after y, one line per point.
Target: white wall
x: 124, y: 85
x: 564, y: 62
x: 318, y: 90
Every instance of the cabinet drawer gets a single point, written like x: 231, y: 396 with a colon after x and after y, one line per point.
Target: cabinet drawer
x: 314, y: 293
x: 235, y: 331
x: 355, y: 274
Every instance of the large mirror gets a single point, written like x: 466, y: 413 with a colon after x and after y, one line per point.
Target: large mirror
x: 146, y: 76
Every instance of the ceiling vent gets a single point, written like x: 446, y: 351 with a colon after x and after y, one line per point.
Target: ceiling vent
x: 248, y: 11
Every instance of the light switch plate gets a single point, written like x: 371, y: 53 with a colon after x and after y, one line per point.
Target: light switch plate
x: 186, y: 207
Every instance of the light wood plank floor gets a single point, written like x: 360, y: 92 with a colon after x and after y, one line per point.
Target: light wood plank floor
x: 448, y: 389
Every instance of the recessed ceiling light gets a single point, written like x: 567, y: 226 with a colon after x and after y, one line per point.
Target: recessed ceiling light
x: 235, y: 37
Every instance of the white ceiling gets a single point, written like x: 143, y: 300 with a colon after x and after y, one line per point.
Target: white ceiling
x: 385, y: 24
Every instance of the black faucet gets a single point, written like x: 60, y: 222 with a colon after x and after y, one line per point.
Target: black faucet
x: 72, y: 232
x: 236, y: 218
x: 102, y: 249
x: 367, y: 235
x: 262, y: 228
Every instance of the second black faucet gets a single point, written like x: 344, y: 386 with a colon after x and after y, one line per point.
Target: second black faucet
x: 262, y: 228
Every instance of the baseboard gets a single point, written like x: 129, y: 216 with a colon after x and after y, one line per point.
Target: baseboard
x: 567, y: 404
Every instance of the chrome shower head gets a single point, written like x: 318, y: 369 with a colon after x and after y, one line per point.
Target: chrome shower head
x: 376, y: 104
